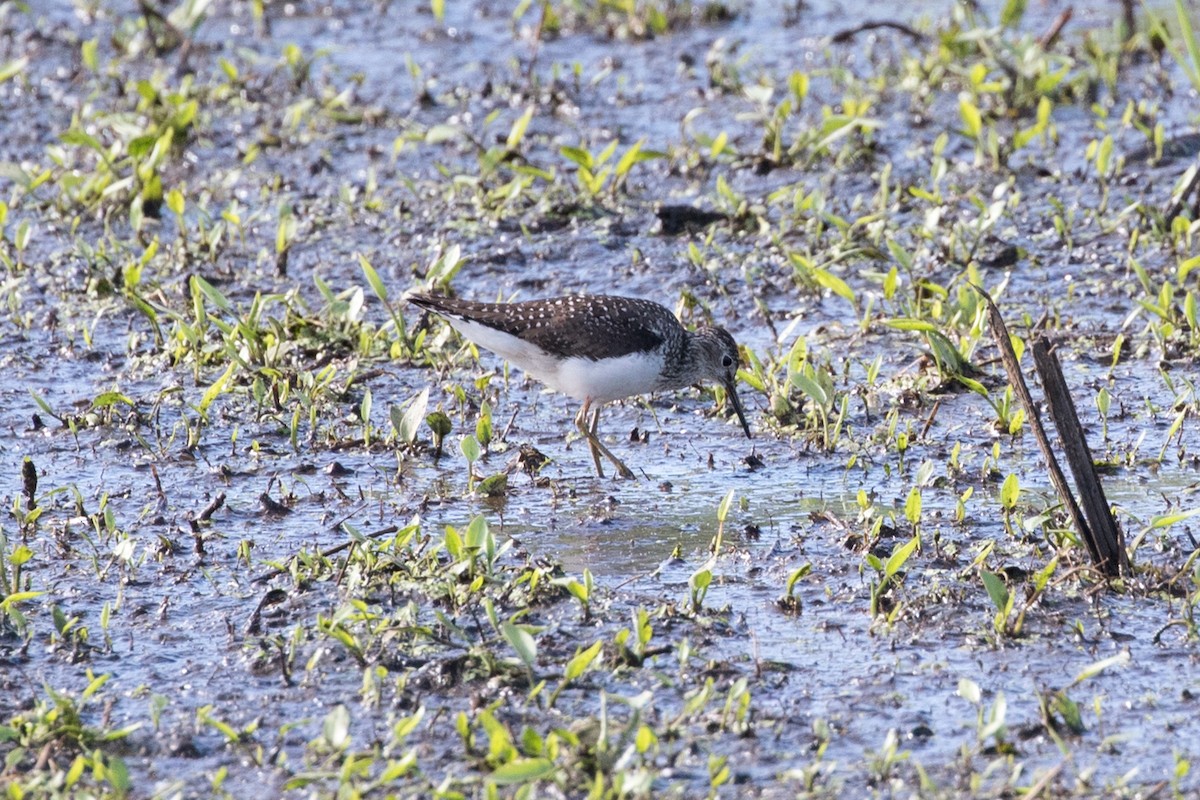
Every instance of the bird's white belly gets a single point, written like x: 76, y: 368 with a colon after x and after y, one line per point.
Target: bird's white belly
x: 581, y: 378
x: 607, y: 379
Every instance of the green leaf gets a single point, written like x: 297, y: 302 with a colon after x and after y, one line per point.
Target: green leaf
x: 1068, y: 709
x: 1096, y: 667
x: 517, y: 133
x: 336, y: 728
x: 377, y: 284
x: 81, y: 138
x: 972, y: 120
x: 13, y: 68
x: 439, y: 423
x: 453, y: 542
x: 17, y: 597
x: 176, y: 202
x: 907, y: 324
x: 408, y: 423
x: 1188, y: 34
x: 215, y: 390
x: 442, y: 133
x: 1167, y: 520
x: 811, y: 389
x: 477, y: 532
x: 1185, y: 267
x: 523, y: 770
x: 630, y: 158
x: 577, y: 154
x: 974, y: 385
x: 522, y: 642
x: 42, y: 404
x: 912, y: 506
x: 493, y: 486
x: 1010, y: 490
x: 899, y: 556
x: 580, y: 662
x: 833, y: 283
x: 109, y: 399
x: 1012, y: 13
x: 723, y: 508
x: 996, y: 590
x: 211, y: 293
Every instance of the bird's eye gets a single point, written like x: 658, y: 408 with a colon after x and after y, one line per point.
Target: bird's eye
x: 727, y: 361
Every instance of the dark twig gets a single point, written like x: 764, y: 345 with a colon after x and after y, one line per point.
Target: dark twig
x: 1109, y: 562
x: 266, y: 576
x: 1051, y: 35
x: 213, y: 507
x: 929, y: 421
x: 1106, y: 543
x: 848, y: 34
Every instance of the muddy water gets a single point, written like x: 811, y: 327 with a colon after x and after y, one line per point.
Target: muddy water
x: 180, y: 627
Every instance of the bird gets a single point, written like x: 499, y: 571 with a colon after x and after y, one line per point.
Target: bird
x: 596, y: 349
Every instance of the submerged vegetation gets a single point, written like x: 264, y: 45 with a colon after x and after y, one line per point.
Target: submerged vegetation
x: 272, y: 527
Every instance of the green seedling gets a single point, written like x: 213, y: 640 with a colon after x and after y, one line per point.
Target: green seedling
x: 594, y: 172
x: 580, y: 663
x: 1005, y: 622
x: 1186, y: 48
x: 440, y: 427
x: 406, y: 423
x: 520, y: 638
x: 469, y: 446
x: 882, y: 763
x: 233, y: 736
x: 790, y: 602
x: 583, y: 591
x: 888, y: 572
x: 633, y: 643
x: 1010, y: 494
x: 991, y: 723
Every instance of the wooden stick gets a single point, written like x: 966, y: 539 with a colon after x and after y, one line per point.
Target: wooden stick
x: 1107, y: 544
x: 1017, y: 380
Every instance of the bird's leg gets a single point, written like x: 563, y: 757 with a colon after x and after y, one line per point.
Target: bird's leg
x: 581, y: 422
x: 588, y: 429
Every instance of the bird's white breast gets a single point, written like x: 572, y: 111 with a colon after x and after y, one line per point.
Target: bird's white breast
x: 602, y: 381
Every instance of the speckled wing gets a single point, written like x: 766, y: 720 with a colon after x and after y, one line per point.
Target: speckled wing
x: 585, y: 326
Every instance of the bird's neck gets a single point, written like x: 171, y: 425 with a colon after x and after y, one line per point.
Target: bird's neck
x: 683, y: 358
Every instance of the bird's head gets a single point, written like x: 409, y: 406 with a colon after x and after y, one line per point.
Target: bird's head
x: 718, y: 358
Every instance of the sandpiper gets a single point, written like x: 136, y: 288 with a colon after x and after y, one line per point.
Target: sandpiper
x: 597, y: 348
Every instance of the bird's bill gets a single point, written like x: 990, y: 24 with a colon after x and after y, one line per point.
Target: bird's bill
x: 731, y: 393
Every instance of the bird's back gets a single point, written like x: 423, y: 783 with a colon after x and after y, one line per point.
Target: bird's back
x: 591, y: 327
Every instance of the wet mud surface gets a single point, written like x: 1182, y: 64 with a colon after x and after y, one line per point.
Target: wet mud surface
x: 242, y: 568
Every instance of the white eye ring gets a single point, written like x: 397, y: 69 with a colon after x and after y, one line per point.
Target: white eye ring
x: 727, y: 361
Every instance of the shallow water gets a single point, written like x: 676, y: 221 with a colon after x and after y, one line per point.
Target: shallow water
x: 181, y: 617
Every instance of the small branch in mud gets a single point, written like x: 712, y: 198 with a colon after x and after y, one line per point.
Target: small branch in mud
x: 29, y: 482
x: 1051, y: 35
x: 204, y: 516
x: 844, y: 36
x: 213, y: 506
x: 929, y: 420
x: 390, y: 529
x: 272, y: 507
x: 272, y: 597
x: 1106, y: 543
x: 1103, y: 538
